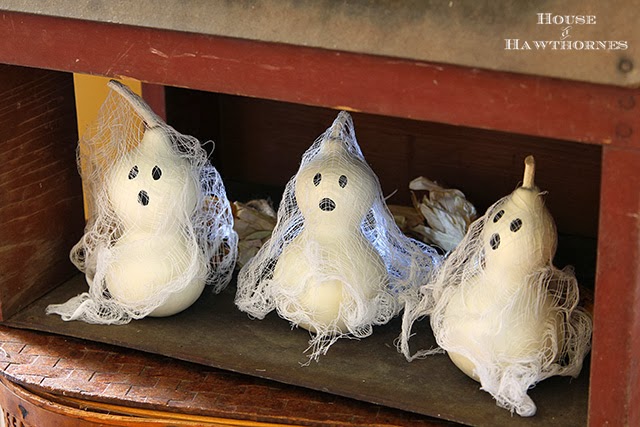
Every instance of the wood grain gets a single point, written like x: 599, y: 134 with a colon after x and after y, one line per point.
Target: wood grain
x: 615, y: 371
x: 261, y: 142
x: 526, y: 104
x: 66, y: 374
x: 41, y: 214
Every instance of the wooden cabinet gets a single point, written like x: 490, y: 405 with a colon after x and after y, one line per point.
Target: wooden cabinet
x: 469, y: 125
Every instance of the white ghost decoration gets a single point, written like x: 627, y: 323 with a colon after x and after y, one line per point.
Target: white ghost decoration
x: 149, y: 190
x: 160, y: 226
x: 336, y: 263
x: 500, y: 309
x: 339, y: 267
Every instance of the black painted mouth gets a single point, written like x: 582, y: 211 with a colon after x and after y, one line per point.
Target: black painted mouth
x: 327, y: 204
x: 143, y: 198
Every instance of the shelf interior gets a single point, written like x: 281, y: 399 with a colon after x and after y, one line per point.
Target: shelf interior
x: 214, y: 333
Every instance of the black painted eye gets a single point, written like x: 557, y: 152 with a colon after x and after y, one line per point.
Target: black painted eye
x: 515, y: 225
x: 498, y: 215
x: 316, y: 179
x: 494, y: 241
x: 156, y: 173
x: 133, y: 172
x: 342, y: 181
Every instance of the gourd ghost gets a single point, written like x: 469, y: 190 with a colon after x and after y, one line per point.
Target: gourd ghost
x: 160, y: 226
x: 149, y: 190
x: 336, y: 263
x: 499, y: 308
x: 330, y: 269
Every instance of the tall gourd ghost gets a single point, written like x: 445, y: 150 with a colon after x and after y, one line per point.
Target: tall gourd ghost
x: 336, y: 263
x: 500, y: 309
x: 330, y: 270
x: 160, y: 226
x: 152, y: 191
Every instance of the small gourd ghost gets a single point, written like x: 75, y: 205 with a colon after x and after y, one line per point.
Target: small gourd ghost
x: 336, y: 263
x: 330, y: 266
x: 149, y: 189
x: 498, y: 309
x: 505, y: 316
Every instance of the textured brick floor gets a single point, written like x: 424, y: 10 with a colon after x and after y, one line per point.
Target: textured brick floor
x: 103, y: 373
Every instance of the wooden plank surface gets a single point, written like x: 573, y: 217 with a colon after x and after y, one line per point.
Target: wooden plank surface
x: 615, y: 375
x: 106, y: 375
x: 374, y: 84
x: 213, y: 332
x: 461, y: 32
x: 40, y: 192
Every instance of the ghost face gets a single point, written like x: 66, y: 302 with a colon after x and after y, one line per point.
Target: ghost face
x: 151, y: 186
x: 335, y: 191
x: 519, y: 233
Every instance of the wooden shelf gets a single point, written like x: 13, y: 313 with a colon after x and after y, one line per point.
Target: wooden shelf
x: 40, y: 216
x: 469, y: 34
x: 214, y: 333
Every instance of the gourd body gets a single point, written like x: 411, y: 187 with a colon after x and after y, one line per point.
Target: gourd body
x: 501, y: 313
x: 500, y: 309
x: 330, y: 270
x: 153, y: 194
x: 142, y: 266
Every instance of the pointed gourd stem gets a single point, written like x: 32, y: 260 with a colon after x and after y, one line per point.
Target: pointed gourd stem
x: 529, y: 172
x: 339, y: 124
x: 333, y: 139
x: 140, y: 107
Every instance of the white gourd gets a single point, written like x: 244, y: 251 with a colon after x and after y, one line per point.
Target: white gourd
x: 331, y: 256
x: 336, y: 263
x: 159, y: 225
x: 500, y: 309
x: 143, y: 189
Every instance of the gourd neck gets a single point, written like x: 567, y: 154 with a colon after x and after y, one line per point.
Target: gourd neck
x: 332, y: 233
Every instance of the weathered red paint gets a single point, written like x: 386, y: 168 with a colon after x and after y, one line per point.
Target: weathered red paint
x: 404, y: 88
x: 395, y: 87
x: 615, y: 368
x: 154, y: 96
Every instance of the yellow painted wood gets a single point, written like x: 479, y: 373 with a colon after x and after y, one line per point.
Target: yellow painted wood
x: 91, y: 92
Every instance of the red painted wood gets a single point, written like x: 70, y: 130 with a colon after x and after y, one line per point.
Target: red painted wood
x: 40, y: 190
x: 379, y: 85
x: 154, y: 96
x: 403, y: 88
x: 615, y: 370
